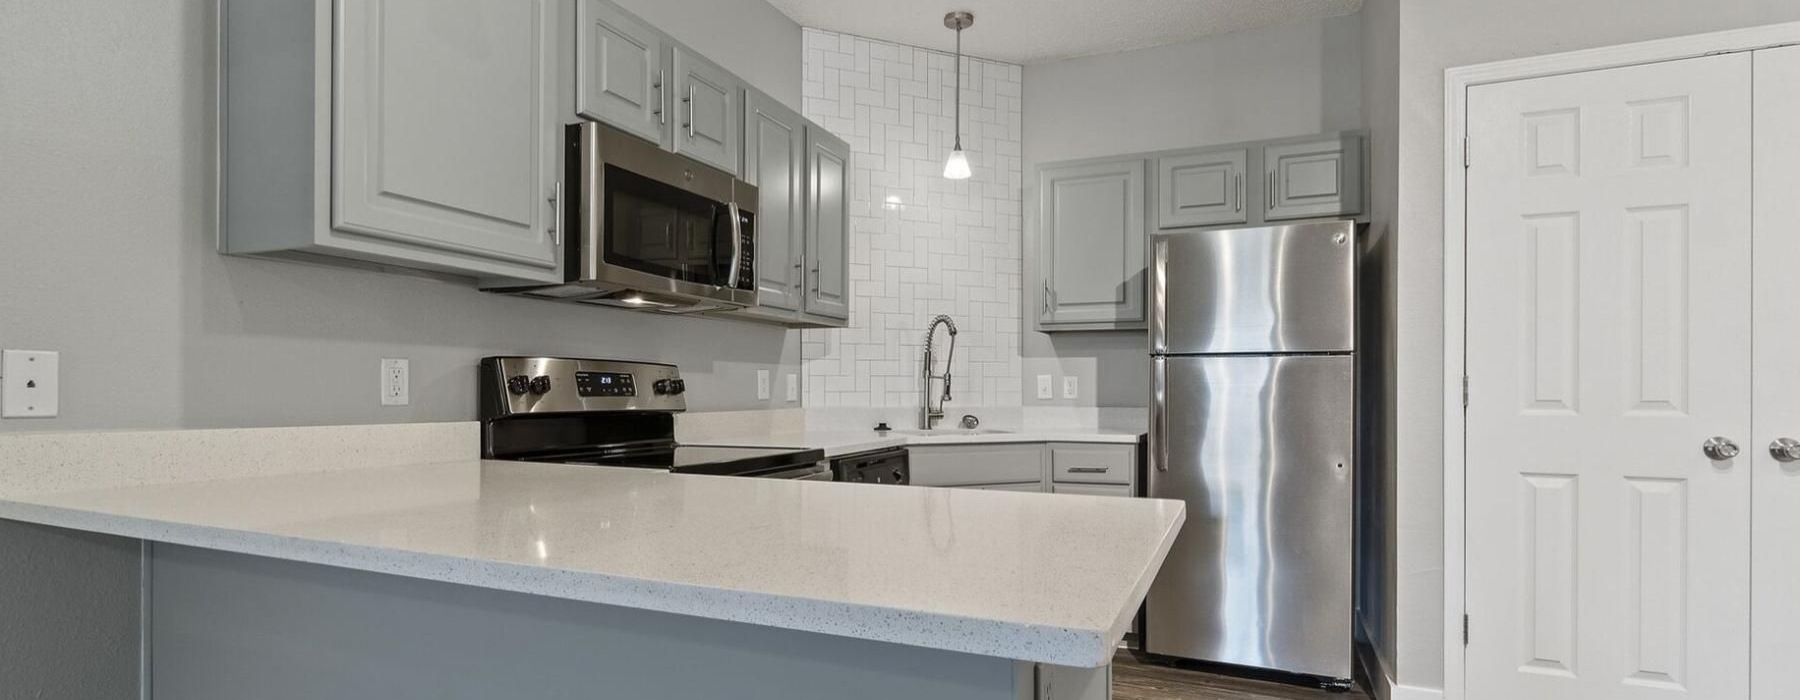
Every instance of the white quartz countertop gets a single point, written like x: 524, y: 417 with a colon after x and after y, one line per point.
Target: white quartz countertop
x: 1035, y: 577
x: 837, y: 443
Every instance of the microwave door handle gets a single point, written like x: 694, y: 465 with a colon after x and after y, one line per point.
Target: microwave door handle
x: 737, y: 246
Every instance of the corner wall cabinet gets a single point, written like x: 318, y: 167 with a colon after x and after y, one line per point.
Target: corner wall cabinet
x: 345, y: 144
x: 1088, y: 238
x: 801, y: 172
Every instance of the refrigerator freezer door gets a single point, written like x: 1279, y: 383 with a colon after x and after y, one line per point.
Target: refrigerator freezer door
x: 1254, y: 290
x: 1260, y: 450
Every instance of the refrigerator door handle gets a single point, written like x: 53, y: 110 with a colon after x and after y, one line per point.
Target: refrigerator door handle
x: 1159, y: 418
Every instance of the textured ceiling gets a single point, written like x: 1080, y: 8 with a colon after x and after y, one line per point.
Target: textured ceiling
x: 1036, y: 31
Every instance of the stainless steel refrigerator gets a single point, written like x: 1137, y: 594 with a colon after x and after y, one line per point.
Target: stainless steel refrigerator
x: 1252, y: 423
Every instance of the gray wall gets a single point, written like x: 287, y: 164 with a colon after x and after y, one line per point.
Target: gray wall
x: 1435, y: 36
x: 1289, y: 80
x: 106, y: 247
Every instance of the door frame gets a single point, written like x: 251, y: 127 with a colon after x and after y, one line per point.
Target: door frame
x: 1457, y: 82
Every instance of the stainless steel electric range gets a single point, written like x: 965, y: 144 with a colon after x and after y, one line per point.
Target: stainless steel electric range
x: 611, y: 413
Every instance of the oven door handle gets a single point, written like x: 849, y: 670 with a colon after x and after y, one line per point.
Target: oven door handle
x: 737, y: 246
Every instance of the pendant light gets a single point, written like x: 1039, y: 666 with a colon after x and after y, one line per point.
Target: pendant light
x: 957, y: 166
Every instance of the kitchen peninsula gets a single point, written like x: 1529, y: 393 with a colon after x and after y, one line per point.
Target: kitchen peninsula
x: 384, y: 561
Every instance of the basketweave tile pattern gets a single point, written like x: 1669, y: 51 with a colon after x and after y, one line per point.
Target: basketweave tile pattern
x: 921, y: 245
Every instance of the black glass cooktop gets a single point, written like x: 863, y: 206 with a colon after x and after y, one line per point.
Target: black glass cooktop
x: 728, y: 461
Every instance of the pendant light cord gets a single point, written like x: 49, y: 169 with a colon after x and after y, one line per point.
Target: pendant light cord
x: 958, y: 69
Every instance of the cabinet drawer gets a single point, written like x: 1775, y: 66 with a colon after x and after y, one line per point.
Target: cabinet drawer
x: 1092, y: 464
x: 1118, y: 490
x: 976, y: 465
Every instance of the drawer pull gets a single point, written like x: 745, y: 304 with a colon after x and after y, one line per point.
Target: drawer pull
x: 1089, y: 470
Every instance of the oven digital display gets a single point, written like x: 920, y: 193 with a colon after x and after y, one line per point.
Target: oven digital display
x: 592, y: 384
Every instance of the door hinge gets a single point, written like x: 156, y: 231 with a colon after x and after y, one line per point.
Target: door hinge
x: 1465, y: 392
x: 1465, y: 152
x: 1465, y: 630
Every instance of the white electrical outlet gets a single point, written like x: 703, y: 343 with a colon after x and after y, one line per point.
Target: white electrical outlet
x: 1071, y: 387
x: 396, y: 386
x: 793, y: 387
x: 762, y: 384
x: 1043, y: 391
x: 28, y: 384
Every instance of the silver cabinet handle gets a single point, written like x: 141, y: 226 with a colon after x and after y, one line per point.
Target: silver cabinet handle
x: 1159, y: 414
x: 1269, y: 193
x: 1237, y: 200
x: 689, y: 101
x: 815, y: 278
x: 1089, y: 470
x: 1046, y: 313
x: 1785, y: 450
x: 662, y: 100
x: 799, y: 273
x: 556, y: 209
x: 1719, y: 449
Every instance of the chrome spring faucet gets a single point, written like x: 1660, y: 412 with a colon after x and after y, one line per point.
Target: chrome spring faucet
x: 929, y: 416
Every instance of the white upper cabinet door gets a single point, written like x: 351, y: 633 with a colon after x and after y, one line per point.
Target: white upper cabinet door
x: 1201, y: 189
x: 1775, y: 509
x: 620, y: 73
x: 1313, y: 179
x: 445, y: 129
x: 827, y: 224
x: 710, y: 119
x: 1608, y: 340
x: 775, y: 161
x: 1091, y: 242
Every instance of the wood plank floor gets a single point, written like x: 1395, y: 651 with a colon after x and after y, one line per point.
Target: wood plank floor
x: 1133, y: 680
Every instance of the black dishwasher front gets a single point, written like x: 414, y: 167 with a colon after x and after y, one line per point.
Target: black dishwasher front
x: 879, y: 467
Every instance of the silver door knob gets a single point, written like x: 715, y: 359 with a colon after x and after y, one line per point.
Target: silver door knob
x: 1785, y: 450
x: 1720, y: 449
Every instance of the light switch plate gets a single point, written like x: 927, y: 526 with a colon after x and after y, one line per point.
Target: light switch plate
x: 28, y: 384
x: 793, y: 387
x: 1043, y: 391
x: 762, y: 384
x: 396, y: 384
x: 1071, y: 387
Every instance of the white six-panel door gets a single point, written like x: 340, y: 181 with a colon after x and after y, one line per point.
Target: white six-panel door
x: 1775, y: 535
x: 1609, y: 336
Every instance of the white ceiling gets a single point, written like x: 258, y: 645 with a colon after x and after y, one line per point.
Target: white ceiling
x: 1037, y: 31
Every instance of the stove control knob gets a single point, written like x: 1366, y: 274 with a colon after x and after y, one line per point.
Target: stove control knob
x: 677, y: 386
x: 518, y: 385
x: 540, y: 384
x: 663, y: 386
x: 899, y: 477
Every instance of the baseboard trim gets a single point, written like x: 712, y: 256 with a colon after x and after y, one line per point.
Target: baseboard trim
x: 1413, y: 692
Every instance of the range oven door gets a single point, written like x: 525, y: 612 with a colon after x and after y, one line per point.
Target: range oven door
x: 658, y: 228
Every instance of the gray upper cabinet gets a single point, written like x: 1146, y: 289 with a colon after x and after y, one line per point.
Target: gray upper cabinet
x: 418, y: 135
x: 775, y: 161
x: 1201, y: 189
x: 827, y: 224
x: 1091, y: 239
x: 709, y: 122
x: 1313, y: 178
x: 620, y: 73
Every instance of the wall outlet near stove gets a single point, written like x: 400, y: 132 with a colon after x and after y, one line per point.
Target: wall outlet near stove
x: 762, y: 384
x: 1043, y: 386
x: 1071, y: 387
x: 396, y: 384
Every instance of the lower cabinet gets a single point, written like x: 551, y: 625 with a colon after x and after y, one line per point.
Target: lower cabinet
x: 1065, y: 683
x: 1089, y: 469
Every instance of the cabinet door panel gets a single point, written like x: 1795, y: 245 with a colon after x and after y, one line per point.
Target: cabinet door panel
x: 827, y: 224
x: 775, y: 161
x: 1091, y: 243
x: 445, y: 130
x: 1201, y: 189
x: 709, y: 126
x: 620, y: 71
x: 1313, y: 179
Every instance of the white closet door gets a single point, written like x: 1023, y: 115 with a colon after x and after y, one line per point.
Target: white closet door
x: 1775, y: 536
x: 1609, y: 328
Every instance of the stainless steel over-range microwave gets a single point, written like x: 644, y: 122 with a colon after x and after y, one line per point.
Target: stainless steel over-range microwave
x: 649, y: 229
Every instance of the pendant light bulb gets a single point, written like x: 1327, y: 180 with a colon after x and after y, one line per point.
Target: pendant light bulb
x: 956, y: 167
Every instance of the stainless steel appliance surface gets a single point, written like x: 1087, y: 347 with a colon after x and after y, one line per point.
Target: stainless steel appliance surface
x: 1252, y: 423
x: 613, y: 414
x: 648, y: 229
x: 879, y: 467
